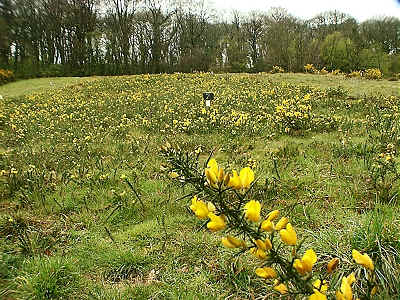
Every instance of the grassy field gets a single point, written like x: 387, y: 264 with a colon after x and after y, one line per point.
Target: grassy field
x: 88, y: 208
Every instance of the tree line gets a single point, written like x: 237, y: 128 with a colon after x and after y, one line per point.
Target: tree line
x: 113, y: 37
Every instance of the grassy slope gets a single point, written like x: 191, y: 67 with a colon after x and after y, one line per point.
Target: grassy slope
x: 157, y: 251
x: 23, y: 87
x: 356, y: 87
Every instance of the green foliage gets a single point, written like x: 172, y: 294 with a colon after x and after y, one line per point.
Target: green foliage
x: 339, y: 52
x: 47, y: 278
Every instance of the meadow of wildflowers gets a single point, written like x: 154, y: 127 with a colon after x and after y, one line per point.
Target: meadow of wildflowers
x: 132, y: 188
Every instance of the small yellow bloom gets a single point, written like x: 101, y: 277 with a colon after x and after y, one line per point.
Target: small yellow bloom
x: 267, y: 245
x: 363, y: 259
x: 252, y: 210
x: 317, y: 296
x: 199, y: 208
x: 173, y: 175
x: 332, y: 265
x: 210, y: 206
x: 288, y: 235
x: 266, y: 272
x: 216, y: 222
x: 323, y: 288
x: 246, y: 177
x: 234, y: 181
x: 374, y: 290
x: 281, y: 223
x: 273, y: 215
x: 259, y: 253
x: 281, y: 288
x: 268, y: 226
x: 213, y: 173
x: 232, y: 242
x: 306, y: 263
x: 345, y: 292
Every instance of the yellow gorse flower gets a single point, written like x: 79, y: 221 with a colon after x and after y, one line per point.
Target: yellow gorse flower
x: 246, y: 177
x: 345, y: 292
x: 332, y: 265
x: 288, y: 235
x: 213, y: 172
x: 232, y: 242
x: 317, y: 296
x: 253, y: 210
x: 199, y: 208
x: 281, y: 223
x: 234, y: 181
x: 363, y: 259
x: 273, y: 215
x: 259, y: 253
x: 280, y: 287
x: 264, y: 245
x: 320, y: 287
x: 241, y: 181
x: 306, y: 263
x: 216, y: 223
x: 266, y: 272
x: 268, y: 226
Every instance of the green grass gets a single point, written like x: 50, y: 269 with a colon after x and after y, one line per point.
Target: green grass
x: 87, y: 212
x: 357, y: 87
x: 24, y: 87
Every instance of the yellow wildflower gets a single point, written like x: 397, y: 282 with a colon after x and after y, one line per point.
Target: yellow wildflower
x: 281, y: 288
x: 345, y: 292
x: 363, y: 259
x: 288, y: 235
x: 216, y: 222
x: 317, y: 296
x: 259, y: 253
x: 232, y: 242
x: 199, y: 208
x: 273, y: 215
x: 267, y: 245
x: 252, y: 210
x: 173, y: 175
x: 332, y: 265
x: 281, y: 223
x: 234, y: 181
x: 246, y: 177
x: 318, y: 287
x: 266, y: 272
x: 268, y: 226
x: 306, y: 263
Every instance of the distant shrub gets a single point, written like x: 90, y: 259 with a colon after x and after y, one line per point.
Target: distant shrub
x: 323, y: 71
x: 373, y: 74
x: 277, y: 69
x: 336, y: 72
x: 308, y: 68
x: 6, y: 76
x: 355, y: 74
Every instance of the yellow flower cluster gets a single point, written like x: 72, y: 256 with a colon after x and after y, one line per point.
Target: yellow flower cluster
x: 216, y: 177
x: 203, y: 211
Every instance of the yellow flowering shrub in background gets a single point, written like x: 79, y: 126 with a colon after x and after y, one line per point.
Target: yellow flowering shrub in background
x: 6, y: 76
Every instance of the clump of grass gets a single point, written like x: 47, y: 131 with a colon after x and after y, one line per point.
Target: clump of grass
x: 378, y: 235
x: 47, y: 278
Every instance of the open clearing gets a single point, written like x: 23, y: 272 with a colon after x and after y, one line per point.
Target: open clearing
x: 87, y: 211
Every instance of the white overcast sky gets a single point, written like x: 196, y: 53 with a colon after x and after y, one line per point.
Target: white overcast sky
x: 361, y: 10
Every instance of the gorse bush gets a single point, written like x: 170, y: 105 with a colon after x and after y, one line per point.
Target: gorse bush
x: 6, y: 76
x: 222, y: 200
x: 373, y: 74
x: 277, y: 69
